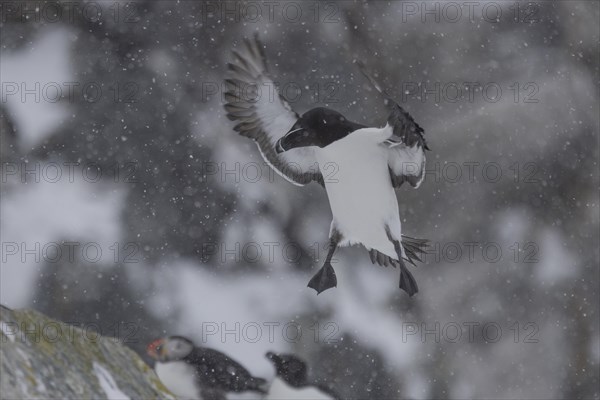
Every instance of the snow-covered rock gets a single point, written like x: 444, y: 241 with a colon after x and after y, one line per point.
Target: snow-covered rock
x: 44, y: 358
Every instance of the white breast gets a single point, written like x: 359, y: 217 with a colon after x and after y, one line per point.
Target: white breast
x: 360, y: 192
x: 282, y: 391
x: 179, y: 378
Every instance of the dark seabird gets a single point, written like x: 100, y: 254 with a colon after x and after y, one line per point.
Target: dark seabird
x: 291, y: 381
x: 192, y: 372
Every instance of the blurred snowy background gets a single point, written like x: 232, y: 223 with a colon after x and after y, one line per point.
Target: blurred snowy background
x: 130, y: 207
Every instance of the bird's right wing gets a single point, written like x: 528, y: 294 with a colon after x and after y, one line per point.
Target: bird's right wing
x: 263, y: 115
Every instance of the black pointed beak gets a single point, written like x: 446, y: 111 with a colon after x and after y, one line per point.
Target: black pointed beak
x: 272, y: 356
x: 279, y: 149
x: 292, y: 139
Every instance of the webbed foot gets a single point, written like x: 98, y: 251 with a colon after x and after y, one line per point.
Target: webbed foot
x: 324, y: 279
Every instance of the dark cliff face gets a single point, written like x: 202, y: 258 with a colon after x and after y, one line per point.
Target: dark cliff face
x: 44, y: 358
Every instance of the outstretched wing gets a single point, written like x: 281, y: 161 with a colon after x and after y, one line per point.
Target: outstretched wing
x: 407, y: 145
x: 263, y: 115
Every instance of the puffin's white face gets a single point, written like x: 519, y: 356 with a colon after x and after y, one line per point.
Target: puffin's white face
x: 168, y: 349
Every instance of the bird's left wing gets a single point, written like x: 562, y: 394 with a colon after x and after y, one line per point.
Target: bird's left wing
x: 406, y: 148
x: 262, y: 114
x: 406, y: 143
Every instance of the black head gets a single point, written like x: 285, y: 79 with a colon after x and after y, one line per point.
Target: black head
x: 317, y: 127
x: 289, y: 368
x: 171, y: 348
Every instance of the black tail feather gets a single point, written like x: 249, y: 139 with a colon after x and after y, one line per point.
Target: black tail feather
x: 411, y: 255
x: 413, y: 249
x: 415, y: 241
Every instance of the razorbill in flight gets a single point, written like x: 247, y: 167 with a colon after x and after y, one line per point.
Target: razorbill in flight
x: 199, y: 373
x: 291, y: 381
x: 370, y: 162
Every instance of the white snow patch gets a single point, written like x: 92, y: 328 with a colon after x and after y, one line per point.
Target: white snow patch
x: 419, y: 387
x: 556, y: 262
x: 513, y: 226
x: 31, y: 80
x: 108, y: 384
x: 40, y: 386
x: 22, y: 379
x: 23, y: 384
x: 42, y: 215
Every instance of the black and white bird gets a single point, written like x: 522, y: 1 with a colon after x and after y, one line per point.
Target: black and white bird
x: 291, y: 381
x: 369, y: 162
x: 192, y: 372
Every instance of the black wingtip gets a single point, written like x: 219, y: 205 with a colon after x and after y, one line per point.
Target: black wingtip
x: 359, y: 63
x: 363, y: 70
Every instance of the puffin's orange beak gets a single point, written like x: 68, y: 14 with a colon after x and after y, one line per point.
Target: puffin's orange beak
x: 155, y: 349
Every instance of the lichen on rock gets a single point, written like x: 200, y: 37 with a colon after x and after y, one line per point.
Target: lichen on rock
x: 44, y: 358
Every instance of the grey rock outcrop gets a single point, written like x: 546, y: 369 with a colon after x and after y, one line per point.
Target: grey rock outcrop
x: 43, y: 358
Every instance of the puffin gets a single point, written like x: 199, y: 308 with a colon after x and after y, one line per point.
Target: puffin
x: 192, y: 372
x: 291, y: 380
x: 359, y: 166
